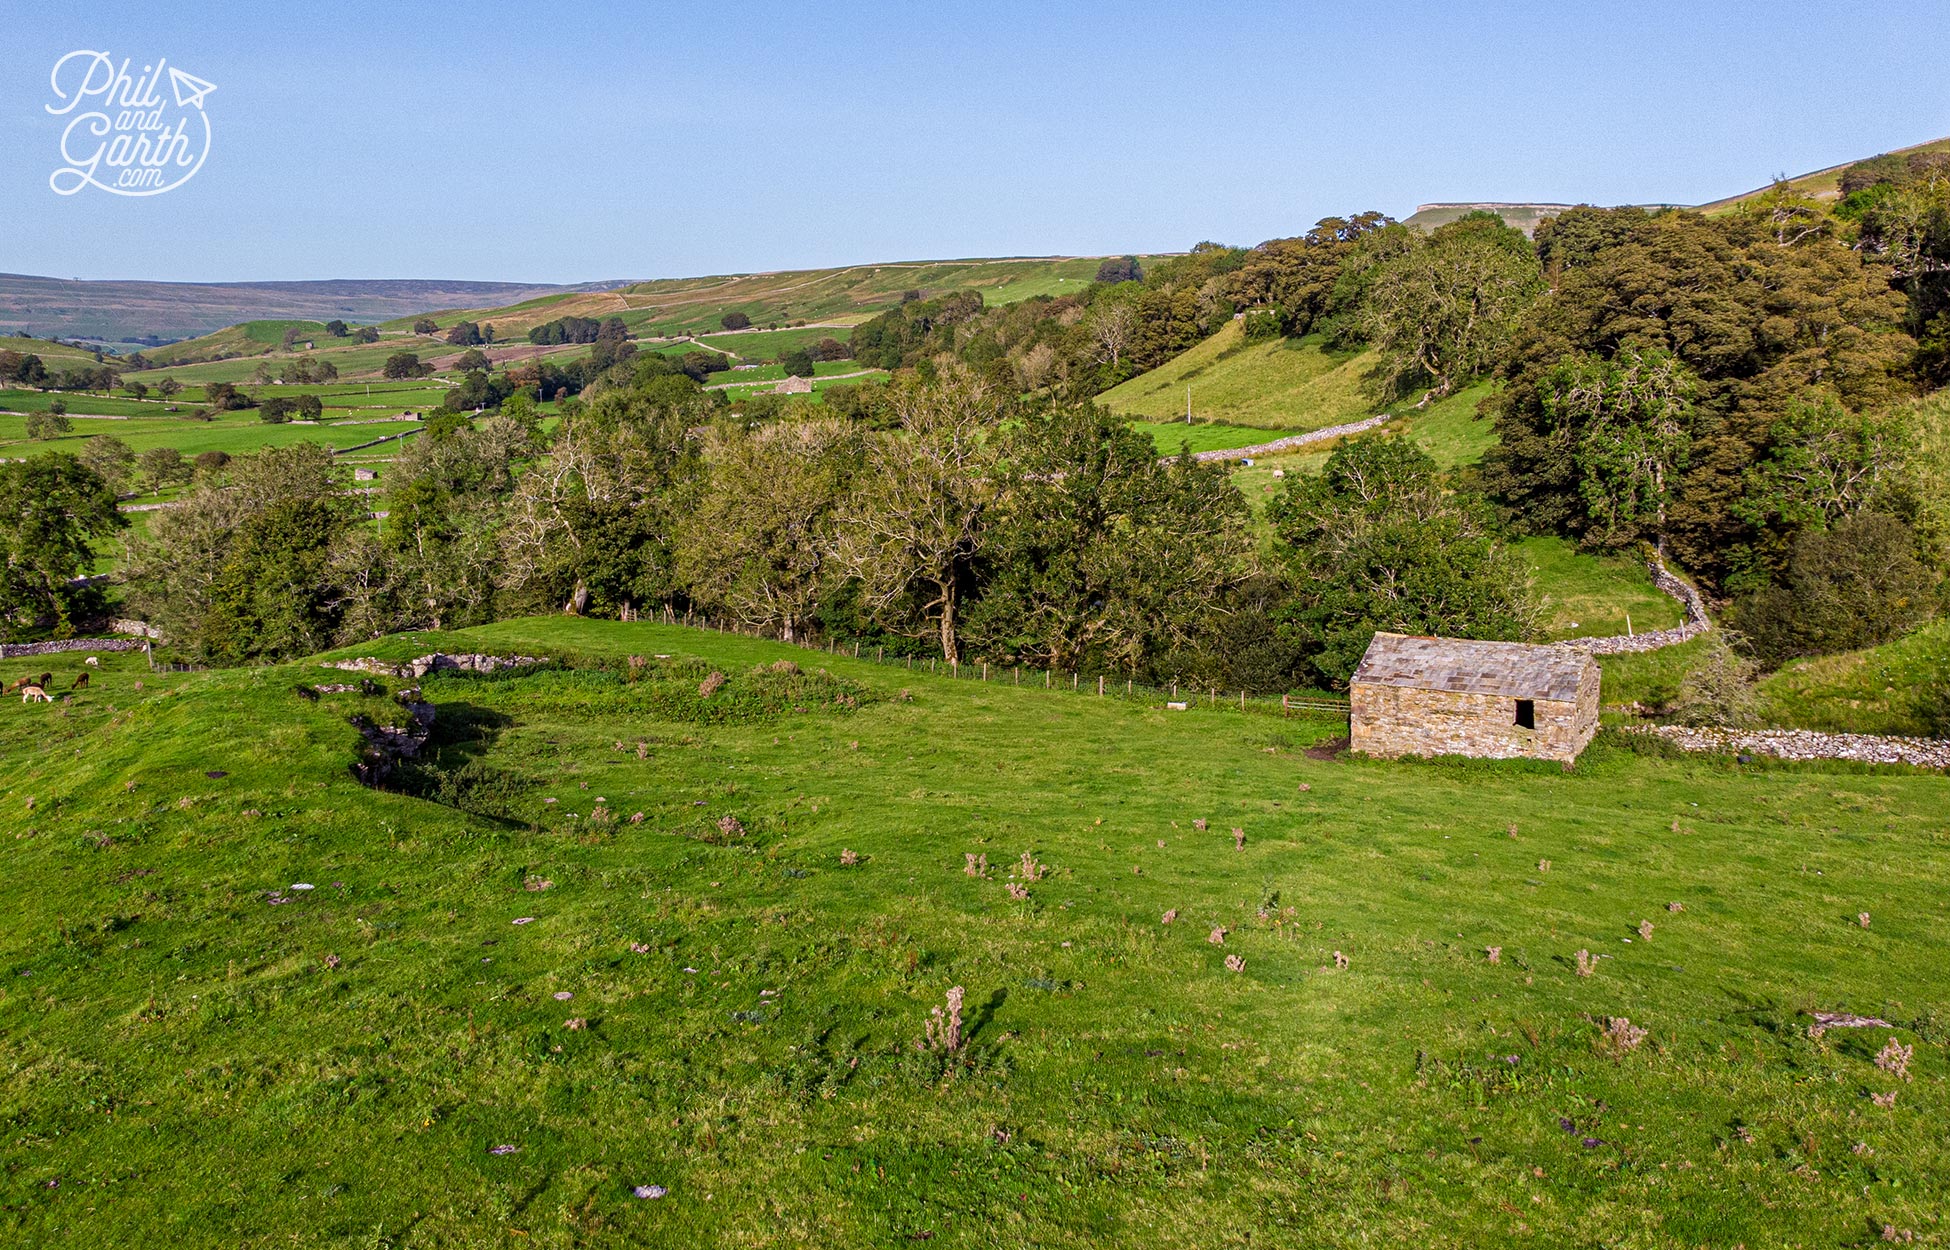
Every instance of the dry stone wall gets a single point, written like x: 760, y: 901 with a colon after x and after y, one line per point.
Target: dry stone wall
x: 11, y: 650
x: 1697, y: 621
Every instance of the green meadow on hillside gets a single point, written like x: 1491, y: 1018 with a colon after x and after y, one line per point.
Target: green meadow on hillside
x: 248, y: 1002
x: 1287, y: 384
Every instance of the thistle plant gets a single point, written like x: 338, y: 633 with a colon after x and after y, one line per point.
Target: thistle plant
x: 1235, y: 964
x: 1894, y: 1059
x: 1645, y: 930
x: 974, y: 865
x: 944, y: 1028
x: 1495, y: 953
x: 1218, y: 935
x: 1586, y: 963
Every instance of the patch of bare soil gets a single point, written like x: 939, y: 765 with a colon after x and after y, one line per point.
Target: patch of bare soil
x: 1330, y: 749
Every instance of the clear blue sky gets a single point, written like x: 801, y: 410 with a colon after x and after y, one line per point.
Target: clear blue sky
x: 570, y: 142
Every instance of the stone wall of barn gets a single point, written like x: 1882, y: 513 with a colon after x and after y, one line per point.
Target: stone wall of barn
x: 1393, y: 721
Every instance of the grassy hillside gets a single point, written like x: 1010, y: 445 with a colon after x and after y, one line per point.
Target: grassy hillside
x: 1822, y: 184
x: 1870, y: 691
x: 843, y: 296
x: 56, y: 356
x: 247, y: 997
x: 1283, y: 384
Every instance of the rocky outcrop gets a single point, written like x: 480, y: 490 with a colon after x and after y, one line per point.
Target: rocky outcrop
x: 388, y: 745
x: 1806, y: 744
x: 415, y: 669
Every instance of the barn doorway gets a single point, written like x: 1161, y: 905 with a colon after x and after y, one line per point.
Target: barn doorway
x: 1526, y: 713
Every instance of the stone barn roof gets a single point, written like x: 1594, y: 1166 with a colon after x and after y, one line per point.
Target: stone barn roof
x: 1511, y: 670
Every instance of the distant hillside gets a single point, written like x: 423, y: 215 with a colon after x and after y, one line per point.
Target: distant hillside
x: 1523, y: 216
x: 127, y: 311
x: 1822, y: 184
x: 842, y: 297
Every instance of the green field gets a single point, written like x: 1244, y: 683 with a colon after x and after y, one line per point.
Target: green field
x: 200, y: 1054
x: 1285, y: 384
x: 1595, y: 596
x: 1170, y: 436
x: 232, y: 434
x: 773, y: 344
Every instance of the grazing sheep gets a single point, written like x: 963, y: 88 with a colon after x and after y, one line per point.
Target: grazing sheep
x: 17, y: 683
x: 91, y: 661
x: 34, y: 694
x: 80, y: 682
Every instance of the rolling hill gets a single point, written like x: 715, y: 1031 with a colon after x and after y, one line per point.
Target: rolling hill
x: 1822, y: 184
x: 659, y: 940
x: 128, y: 311
x: 1289, y: 385
x: 838, y: 297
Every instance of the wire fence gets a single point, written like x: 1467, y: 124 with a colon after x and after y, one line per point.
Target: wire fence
x: 1175, y: 696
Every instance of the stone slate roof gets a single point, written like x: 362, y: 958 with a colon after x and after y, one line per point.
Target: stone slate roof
x: 1512, y: 670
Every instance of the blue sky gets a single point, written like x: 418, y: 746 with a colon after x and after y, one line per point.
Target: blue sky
x: 545, y: 142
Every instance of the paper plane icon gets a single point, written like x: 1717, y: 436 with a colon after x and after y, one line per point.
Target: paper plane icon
x: 190, y: 89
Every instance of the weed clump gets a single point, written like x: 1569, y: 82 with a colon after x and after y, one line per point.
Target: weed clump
x: 711, y: 684
x: 974, y: 865
x: 1894, y: 1059
x: 1587, y: 964
x: 943, y: 1034
x: 1621, y: 1037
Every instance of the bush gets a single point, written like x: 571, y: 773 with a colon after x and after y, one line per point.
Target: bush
x: 1719, y: 690
x: 42, y: 426
x: 1857, y: 584
x: 735, y: 321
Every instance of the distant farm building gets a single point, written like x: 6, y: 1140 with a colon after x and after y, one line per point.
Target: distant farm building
x: 1491, y: 700
x: 794, y: 386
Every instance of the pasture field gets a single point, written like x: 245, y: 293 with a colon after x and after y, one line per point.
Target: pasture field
x: 249, y: 1001
x: 352, y: 360
x: 237, y: 437
x: 776, y: 373
x: 1593, y: 596
x: 1170, y: 436
x: 80, y: 403
x: 772, y: 344
x: 1287, y: 384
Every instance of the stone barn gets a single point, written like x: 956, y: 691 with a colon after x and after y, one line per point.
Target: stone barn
x: 1491, y: 700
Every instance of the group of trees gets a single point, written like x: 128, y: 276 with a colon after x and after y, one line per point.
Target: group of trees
x: 578, y: 330
x: 1730, y: 391
x: 958, y: 520
x: 469, y: 334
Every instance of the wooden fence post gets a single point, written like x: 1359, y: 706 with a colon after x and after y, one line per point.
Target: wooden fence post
x: 1100, y: 685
